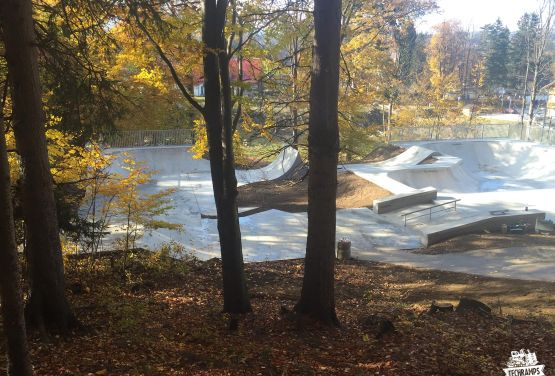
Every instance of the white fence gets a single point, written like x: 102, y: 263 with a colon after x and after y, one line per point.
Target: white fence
x: 536, y: 133
x: 144, y: 138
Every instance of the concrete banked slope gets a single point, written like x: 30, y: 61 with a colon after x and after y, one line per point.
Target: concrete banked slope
x: 281, y: 167
x: 484, y: 166
x: 174, y: 167
x: 175, y: 162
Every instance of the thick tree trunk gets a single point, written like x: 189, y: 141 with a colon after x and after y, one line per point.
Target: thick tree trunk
x: 10, y: 287
x: 218, y: 117
x: 47, y: 306
x: 317, y: 295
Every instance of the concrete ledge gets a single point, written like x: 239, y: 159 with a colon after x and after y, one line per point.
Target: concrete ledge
x: 481, y: 223
x: 402, y: 200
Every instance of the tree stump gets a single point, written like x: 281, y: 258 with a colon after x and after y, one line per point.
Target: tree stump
x: 471, y: 305
x: 377, y: 325
x: 344, y: 249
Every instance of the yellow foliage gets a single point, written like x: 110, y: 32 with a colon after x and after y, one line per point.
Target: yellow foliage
x: 200, y: 148
x: 68, y: 163
x: 152, y: 77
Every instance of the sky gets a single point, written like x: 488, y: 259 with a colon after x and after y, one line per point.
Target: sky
x: 476, y: 13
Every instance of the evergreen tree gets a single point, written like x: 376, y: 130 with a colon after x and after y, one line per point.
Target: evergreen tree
x: 495, y: 44
x: 47, y: 306
x: 520, y: 49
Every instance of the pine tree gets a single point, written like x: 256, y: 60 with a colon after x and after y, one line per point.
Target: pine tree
x: 47, y: 306
x: 520, y: 50
x: 495, y: 46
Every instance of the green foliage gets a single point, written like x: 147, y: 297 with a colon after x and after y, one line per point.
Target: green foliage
x: 76, y: 51
x: 495, y: 47
x: 137, y: 212
x: 520, y: 49
x: 171, y: 259
x: 357, y: 142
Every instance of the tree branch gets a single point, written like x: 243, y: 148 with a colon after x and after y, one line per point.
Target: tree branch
x: 169, y: 64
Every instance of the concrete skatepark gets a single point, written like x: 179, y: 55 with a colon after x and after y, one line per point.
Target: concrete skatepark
x: 487, y: 176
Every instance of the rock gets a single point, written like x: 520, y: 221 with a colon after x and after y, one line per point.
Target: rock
x: 141, y: 286
x: 378, y: 325
x: 471, y: 305
x: 441, y: 307
x: 76, y: 288
x: 214, y: 262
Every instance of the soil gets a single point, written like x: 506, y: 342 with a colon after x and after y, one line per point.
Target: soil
x: 473, y: 242
x: 292, y: 196
x: 166, y: 324
x: 381, y: 153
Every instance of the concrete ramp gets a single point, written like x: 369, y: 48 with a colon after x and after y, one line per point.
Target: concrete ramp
x: 388, y: 174
x: 450, y: 180
x: 287, y: 161
x: 164, y: 162
x: 412, y: 156
x: 488, y: 221
x: 501, y: 164
x: 403, y: 200
x: 174, y: 162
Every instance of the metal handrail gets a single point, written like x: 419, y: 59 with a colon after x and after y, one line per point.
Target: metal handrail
x: 430, y: 209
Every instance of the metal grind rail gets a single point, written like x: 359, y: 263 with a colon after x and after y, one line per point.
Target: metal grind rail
x: 430, y: 210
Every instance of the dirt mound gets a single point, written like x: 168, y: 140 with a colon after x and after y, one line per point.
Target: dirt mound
x: 382, y: 153
x: 292, y: 196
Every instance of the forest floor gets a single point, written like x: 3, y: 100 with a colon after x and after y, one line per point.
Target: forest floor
x: 164, y: 318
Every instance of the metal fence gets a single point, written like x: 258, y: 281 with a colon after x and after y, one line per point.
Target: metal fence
x: 145, y: 138
x: 544, y: 134
x: 536, y: 133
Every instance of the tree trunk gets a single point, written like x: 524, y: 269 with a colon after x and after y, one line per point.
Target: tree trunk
x: 10, y: 286
x: 47, y: 307
x: 533, y: 95
x: 389, y: 115
x: 295, y: 79
x: 317, y: 295
x: 524, y: 90
x: 217, y: 115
